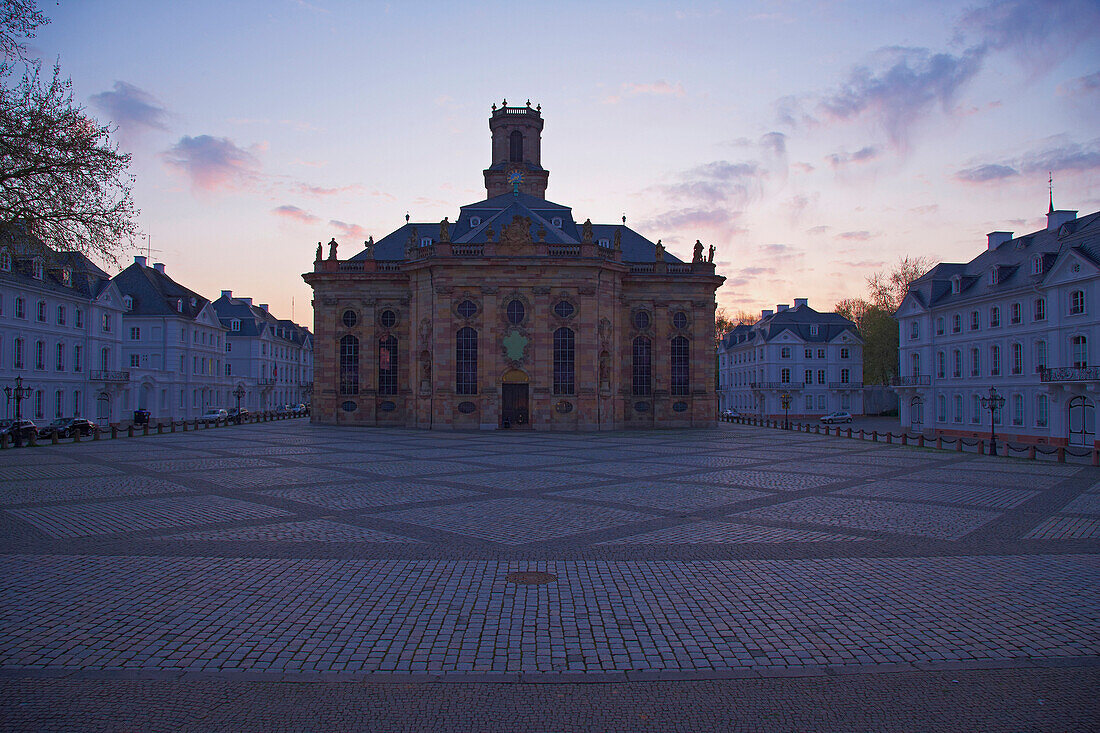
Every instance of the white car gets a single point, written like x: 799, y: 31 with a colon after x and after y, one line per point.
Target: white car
x: 833, y: 417
x: 215, y: 415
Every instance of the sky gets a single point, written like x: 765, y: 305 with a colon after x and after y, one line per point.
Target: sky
x: 813, y: 143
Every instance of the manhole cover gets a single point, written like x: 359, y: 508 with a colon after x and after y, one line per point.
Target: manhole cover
x: 530, y: 577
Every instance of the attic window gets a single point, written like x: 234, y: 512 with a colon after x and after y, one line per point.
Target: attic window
x: 425, y: 241
x: 128, y: 302
x: 475, y: 221
x: 993, y: 276
x: 235, y: 324
x: 1036, y: 265
x: 66, y: 276
x: 179, y: 305
x: 813, y: 330
x: 5, y: 261
x: 956, y: 284
x: 193, y: 302
x: 604, y: 242
x: 556, y: 222
x: 39, y: 269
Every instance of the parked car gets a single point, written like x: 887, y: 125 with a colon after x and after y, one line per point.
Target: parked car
x: 141, y: 416
x: 67, y: 427
x: 299, y: 409
x: 730, y: 413
x: 238, y: 416
x: 834, y: 417
x: 25, y: 428
x: 214, y: 414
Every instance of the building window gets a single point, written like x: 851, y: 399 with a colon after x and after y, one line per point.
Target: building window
x: 993, y: 276
x: 38, y: 408
x: 466, y: 361
x: 563, y: 361
x: 1042, y: 410
x: 814, y: 330
x: 956, y: 284
x: 1014, y: 314
x: 388, y: 318
x: 941, y: 365
x: 105, y: 359
x: 1040, y: 310
x: 680, y: 319
x: 78, y: 320
x: 914, y: 330
x: 844, y: 352
x: 235, y: 324
x: 1077, y: 302
x: 845, y: 376
x: 975, y: 409
x: 39, y: 355
x: 467, y: 309
x: 1017, y: 409
x: 60, y: 364
x: 76, y: 403
x: 135, y: 360
x: 957, y: 364
x: 958, y: 416
x: 128, y: 302
x: 994, y: 317
x: 785, y: 375
x: 642, y: 367
x: 39, y: 272
x: 808, y: 376
x: 61, y: 315
x: 515, y: 147
x: 809, y: 402
x: 41, y: 311
x: 387, y: 365
x: 915, y: 363
x: 604, y: 242
x: 5, y: 261
x: 809, y: 353
x: 135, y: 333
x: 563, y: 309
x: 1036, y: 265
x: 556, y: 222
x: 941, y: 409
x: 1080, y: 351
x: 106, y: 323
x: 516, y: 312
x: 995, y: 361
x: 821, y: 376
x: 78, y: 362
x: 475, y: 222
x: 20, y: 308
x: 956, y: 323
x: 1040, y: 355
x: 17, y: 354
x: 349, y: 365
x: 939, y: 326
x: 228, y: 370
x: 785, y: 352
x: 1017, y: 359
x: 681, y: 366
x: 975, y: 363
x: 975, y: 321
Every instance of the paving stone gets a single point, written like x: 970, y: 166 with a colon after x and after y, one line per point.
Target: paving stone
x: 1066, y: 528
x: 71, y: 489
x: 312, y: 530
x: 775, y: 480
x: 365, y: 494
x: 993, y: 498
x: 660, y: 496
x: 1083, y: 504
x: 729, y: 533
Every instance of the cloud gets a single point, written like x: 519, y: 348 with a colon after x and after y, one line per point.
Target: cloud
x: 925, y: 209
x: 986, y: 173
x: 803, y: 167
x: 844, y: 158
x: 819, y: 229
x: 776, y: 249
x: 131, y: 108
x: 776, y: 142
x: 296, y: 214
x: 352, y: 231
x: 1081, y: 86
x: 1037, y: 33
x: 861, y: 236
x: 310, y: 190
x: 213, y: 163
x: 690, y: 218
x: 720, y: 181
x: 659, y: 88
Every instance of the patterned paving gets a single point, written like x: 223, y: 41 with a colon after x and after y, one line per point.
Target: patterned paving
x: 287, y: 548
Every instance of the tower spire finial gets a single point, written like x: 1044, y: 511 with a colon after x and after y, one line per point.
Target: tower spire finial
x: 1050, y: 187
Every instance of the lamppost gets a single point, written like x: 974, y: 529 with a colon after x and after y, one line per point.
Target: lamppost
x: 239, y: 393
x: 18, y: 393
x: 786, y: 398
x: 993, y: 403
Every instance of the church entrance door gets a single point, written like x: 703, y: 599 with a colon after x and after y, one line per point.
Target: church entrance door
x: 514, y: 410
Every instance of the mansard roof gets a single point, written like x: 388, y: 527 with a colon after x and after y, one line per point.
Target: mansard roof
x: 156, y: 294
x: 1012, y: 260
x: 498, y: 211
x: 87, y: 279
x: 255, y: 321
x: 796, y: 321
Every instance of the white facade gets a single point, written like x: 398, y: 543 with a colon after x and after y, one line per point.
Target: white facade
x: 1023, y: 317
x: 816, y: 358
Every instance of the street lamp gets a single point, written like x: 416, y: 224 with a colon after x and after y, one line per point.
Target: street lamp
x: 786, y: 398
x: 18, y: 393
x: 993, y: 403
x: 239, y: 393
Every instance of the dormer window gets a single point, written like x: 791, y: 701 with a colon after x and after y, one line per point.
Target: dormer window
x: 475, y: 222
x: 604, y: 242
x: 39, y: 269
x: 66, y: 277
x: 425, y: 241
x: 235, y: 324
x: 5, y: 261
x: 128, y: 302
x: 813, y: 330
x: 956, y: 285
x: 179, y: 305
x: 993, y: 276
x: 556, y: 222
x: 1036, y: 265
x: 194, y: 302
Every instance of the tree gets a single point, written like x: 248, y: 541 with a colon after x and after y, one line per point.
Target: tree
x: 874, y: 316
x: 61, y: 177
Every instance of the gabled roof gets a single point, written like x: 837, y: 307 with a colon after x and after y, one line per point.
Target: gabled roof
x: 796, y: 322
x: 255, y: 321
x: 86, y: 278
x: 156, y: 294
x: 499, y: 211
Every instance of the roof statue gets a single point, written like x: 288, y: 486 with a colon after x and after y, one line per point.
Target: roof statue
x: 586, y: 229
x: 445, y: 230
x: 659, y: 252
x: 368, y: 248
x: 710, y: 255
x: 317, y: 257
x: 332, y: 249
x: 618, y: 239
x: 698, y: 255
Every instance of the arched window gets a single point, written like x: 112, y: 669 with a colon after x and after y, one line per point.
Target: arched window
x: 681, y: 366
x: 563, y: 361
x: 466, y: 361
x: 995, y: 361
x: 515, y: 147
x: 516, y: 312
x: 916, y: 364
x: 1080, y: 346
x: 5, y: 261
x: 1077, y: 302
x: 17, y: 354
x: 642, y: 367
x: 941, y: 409
x: 1017, y: 409
x: 387, y: 365
x: 105, y: 359
x: 1017, y: 359
x: 1042, y: 410
x: 1040, y: 355
x: 349, y: 365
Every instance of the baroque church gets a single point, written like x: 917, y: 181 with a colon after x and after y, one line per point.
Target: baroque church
x: 514, y: 316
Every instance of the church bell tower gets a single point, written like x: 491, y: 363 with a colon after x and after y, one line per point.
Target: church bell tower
x: 517, y: 151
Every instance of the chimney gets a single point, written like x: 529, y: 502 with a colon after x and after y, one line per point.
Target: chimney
x: 781, y: 308
x: 227, y: 294
x: 1056, y: 219
x: 801, y: 302
x: 246, y: 301
x: 159, y: 267
x: 996, y: 239
x: 139, y: 260
x: 765, y: 313
x: 263, y: 307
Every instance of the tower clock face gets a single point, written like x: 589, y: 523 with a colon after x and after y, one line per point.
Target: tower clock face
x: 515, y: 177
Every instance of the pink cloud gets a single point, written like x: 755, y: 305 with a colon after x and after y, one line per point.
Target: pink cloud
x: 659, y: 88
x: 214, y: 163
x: 294, y: 213
x: 352, y: 231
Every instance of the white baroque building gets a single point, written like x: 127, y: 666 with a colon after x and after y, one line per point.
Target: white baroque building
x: 816, y: 358
x: 173, y: 346
x: 271, y: 359
x: 60, y: 330
x: 1023, y: 317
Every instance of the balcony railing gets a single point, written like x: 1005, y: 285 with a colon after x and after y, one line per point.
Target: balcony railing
x: 920, y: 380
x: 677, y: 269
x: 564, y: 250
x: 845, y: 385
x: 467, y: 250
x: 104, y: 376
x: 1070, y: 374
x: 265, y: 381
x: 776, y: 385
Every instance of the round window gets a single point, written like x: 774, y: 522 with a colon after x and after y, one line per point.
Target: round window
x: 641, y: 320
x: 388, y: 318
x: 680, y: 319
x: 387, y: 406
x: 563, y: 309
x: 348, y: 406
x: 516, y: 312
x: 467, y: 309
x: 350, y: 319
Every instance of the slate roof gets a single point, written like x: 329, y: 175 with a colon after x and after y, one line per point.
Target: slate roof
x: 498, y: 211
x: 155, y: 294
x: 795, y: 320
x: 87, y: 280
x: 1013, y: 258
x: 255, y: 321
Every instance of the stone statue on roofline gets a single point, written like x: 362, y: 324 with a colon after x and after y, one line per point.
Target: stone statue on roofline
x: 368, y: 247
x: 317, y: 257
x: 659, y: 252
x: 332, y: 248
x: 618, y: 239
x: 710, y: 255
x: 698, y: 255
x: 445, y: 230
x: 586, y: 231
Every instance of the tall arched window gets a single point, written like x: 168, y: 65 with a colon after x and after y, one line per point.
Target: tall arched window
x: 387, y: 365
x: 515, y: 147
x: 1080, y: 346
x: 466, y: 361
x: 563, y: 361
x: 681, y: 365
x: 349, y: 365
x: 643, y: 367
